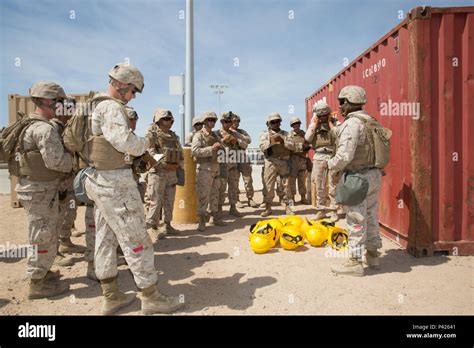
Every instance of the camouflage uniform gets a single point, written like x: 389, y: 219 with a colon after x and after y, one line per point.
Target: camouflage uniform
x: 161, y: 184
x: 40, y: 198
x: 298, y: 169
x: 276, y: 164
x: 323, y: 140
x: 119, y: 214
x: 207, y: 170
x: 245, y: 167
x: 362, y: 219
x: 229, y: 173
x: 67, y: 205
x: 188, y: 139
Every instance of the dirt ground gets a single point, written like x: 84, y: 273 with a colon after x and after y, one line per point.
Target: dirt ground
x: 215, y: 272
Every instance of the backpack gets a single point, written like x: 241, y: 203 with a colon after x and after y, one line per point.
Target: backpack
x: 77, y: 132
x: 9, y: 137
x: 379, y: 140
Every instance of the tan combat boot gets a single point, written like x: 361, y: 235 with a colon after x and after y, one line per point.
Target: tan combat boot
x: 66, y: 246
x: 202, y: 223
x: 289, y: 207
x: 332, y: 216
x: 240, y: 205
x: 63, y: 261
x: 353, y: 267
x: 91, y: 271
x: 155, y: 302
x: 262, y: 205
x: 267, y: 211
x: 114, y: 299
x: 234, y: 212
x: 372, y: 259
x: 154, y: 233
x: 217, y: 220
x: 170, y: 229
x: 253, y: 204
x: 52, y: 276
x: 46, y: 287
x: 305, y: 201
x: 320, y: 215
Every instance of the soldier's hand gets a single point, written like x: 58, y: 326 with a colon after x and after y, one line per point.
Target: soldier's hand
x: 216, y: 146
x: 306, y: 147
x: 277, y: 138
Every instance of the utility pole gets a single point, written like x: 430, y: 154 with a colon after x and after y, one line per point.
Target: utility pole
x: 218, y: 89
x: 189, y: 75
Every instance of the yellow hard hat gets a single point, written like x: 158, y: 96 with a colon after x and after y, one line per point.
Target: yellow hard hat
x: 293, y: 220
x: 264, y: 229
x: 291, y: 238
x: 337, y: 238
x: 260, y: 244
x: 317, y: 235
x: 277, y: 225
x: 307, y: 224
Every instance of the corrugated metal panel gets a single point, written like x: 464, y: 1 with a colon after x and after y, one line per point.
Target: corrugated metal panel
x: 426, y: 201
x: 17, y: 103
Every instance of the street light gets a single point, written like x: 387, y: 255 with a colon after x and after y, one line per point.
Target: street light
x: 219, y: 89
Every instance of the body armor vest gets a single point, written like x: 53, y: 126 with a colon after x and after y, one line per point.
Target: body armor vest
x: 169, y: 147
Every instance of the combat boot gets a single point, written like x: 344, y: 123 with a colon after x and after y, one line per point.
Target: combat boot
x: 77, y: 233
x: 52, y: 276
x: 155, y: 302
x: 170, y: 229
x: 353, y: 267
x: 162, y: 232
x: 63, y: 261
x: 305, y: 201
x: 91, y: 271
x: 263, y: 205
x: 234, y: 212
x: 240, y: 205
x: 217, y: 220
x: 289, y: 208
x: 154, y: 233
x: 267, y: 211
x: 114, y: 299
x: 252, y: 203
x: 66, y: 246
x: 372, y: 259
x: 320, y: 215
x: 44, y: 288
x: 202, y: 223
x: 332, y: 216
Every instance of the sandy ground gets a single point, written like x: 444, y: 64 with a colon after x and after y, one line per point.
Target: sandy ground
x: 215, y: 272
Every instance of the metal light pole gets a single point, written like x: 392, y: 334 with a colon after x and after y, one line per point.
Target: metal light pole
x: 219, y: 89
x: 189, y: 75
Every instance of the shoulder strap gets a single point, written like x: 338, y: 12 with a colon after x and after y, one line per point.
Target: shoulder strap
x: 28, y: 122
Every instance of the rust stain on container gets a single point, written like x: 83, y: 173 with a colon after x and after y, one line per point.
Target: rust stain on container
x: 419, y: 82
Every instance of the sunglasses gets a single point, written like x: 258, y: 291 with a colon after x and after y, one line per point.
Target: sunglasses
x: 341, y: 101
x: 275, y: 122
x: 167, y: 118
x: 299, y: 123
x: 212, y: 120
x: 224, y: 121
x: 134, y: 90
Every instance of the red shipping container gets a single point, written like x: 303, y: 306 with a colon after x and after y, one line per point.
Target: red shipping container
x: 419, y: 79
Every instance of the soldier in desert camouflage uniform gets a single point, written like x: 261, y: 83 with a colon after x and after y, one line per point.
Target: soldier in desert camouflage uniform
x: 119, y: 214
x: 352, y: 156
x: 162, y: 178
x: 298, y: 169
x: 204, y: 150
x: 43, y: 161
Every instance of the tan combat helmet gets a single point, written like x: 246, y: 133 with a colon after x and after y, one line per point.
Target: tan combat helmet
x: 47, y: 90
x: 353, y: 94
x: 208, y: 114
x: 160, y: 113
x: 196, y: 121
x: 294, y: 120
x: 321, y: 109
x: 227, y: 116
x: 127, y: 73
x: 235, y: 117
x: 274, y: 116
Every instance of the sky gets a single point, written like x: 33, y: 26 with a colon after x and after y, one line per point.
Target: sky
x: 271, y: 53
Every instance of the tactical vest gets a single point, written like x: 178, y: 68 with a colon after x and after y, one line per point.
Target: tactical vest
x: 298, y: 139
x: 228, y: 145
x: 324, y: 137
x: 31, y: 164
x: 279, y: 150
x: 210, y: 139
x: 169, y: 147
x: 364, y: 156
x: 104, y: 156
